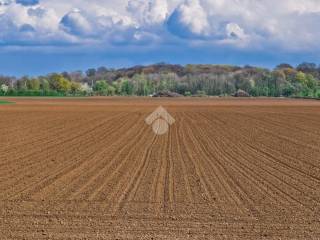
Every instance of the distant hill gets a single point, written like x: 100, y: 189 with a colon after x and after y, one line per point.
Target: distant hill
x: 191, y: 79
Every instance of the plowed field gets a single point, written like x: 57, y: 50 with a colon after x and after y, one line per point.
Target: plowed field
x: 93, y: 169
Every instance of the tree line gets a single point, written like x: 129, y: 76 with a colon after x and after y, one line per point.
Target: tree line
x: 200, y: 80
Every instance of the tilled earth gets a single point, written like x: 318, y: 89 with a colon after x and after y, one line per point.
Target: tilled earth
x: 93, y: 169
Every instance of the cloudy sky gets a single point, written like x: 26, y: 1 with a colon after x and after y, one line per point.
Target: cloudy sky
x: 41, y: 36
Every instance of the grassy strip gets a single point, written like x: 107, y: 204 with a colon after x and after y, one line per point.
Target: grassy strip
x: 307, y: 98
x: 3, y: 102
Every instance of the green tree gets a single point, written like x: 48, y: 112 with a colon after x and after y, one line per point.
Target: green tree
x: 33, y: 84
x: 75, y: 87
x: 111, y: 91
x: 59, y: 83
x: 311, y: 82
x: 45, y: 85
x: 288, y: 90
x: 101, y: 88
x: 141, y: 85
x: 301, y: 78
x: 278, y: 79
x: 4, y: 89
x: 22, y: 84
x: 126, y: 87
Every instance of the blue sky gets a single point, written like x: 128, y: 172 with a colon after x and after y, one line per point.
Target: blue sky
x: 42, y: 36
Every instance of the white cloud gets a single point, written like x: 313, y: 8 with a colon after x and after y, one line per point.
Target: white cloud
x: 30, y: 25
x: 147, y: 13
x: 75, y: 22
x: 189, y: 20
x: 5, y: 2
x: 233, y: 30
x: 286, y: 24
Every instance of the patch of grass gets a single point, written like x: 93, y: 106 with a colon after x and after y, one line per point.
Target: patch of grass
x: 3, y: 102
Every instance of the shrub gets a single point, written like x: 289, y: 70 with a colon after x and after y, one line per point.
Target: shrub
x: 201, y: 93
x: 187, y: 93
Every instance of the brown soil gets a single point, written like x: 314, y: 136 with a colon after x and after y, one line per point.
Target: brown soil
x: 93, y: 169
